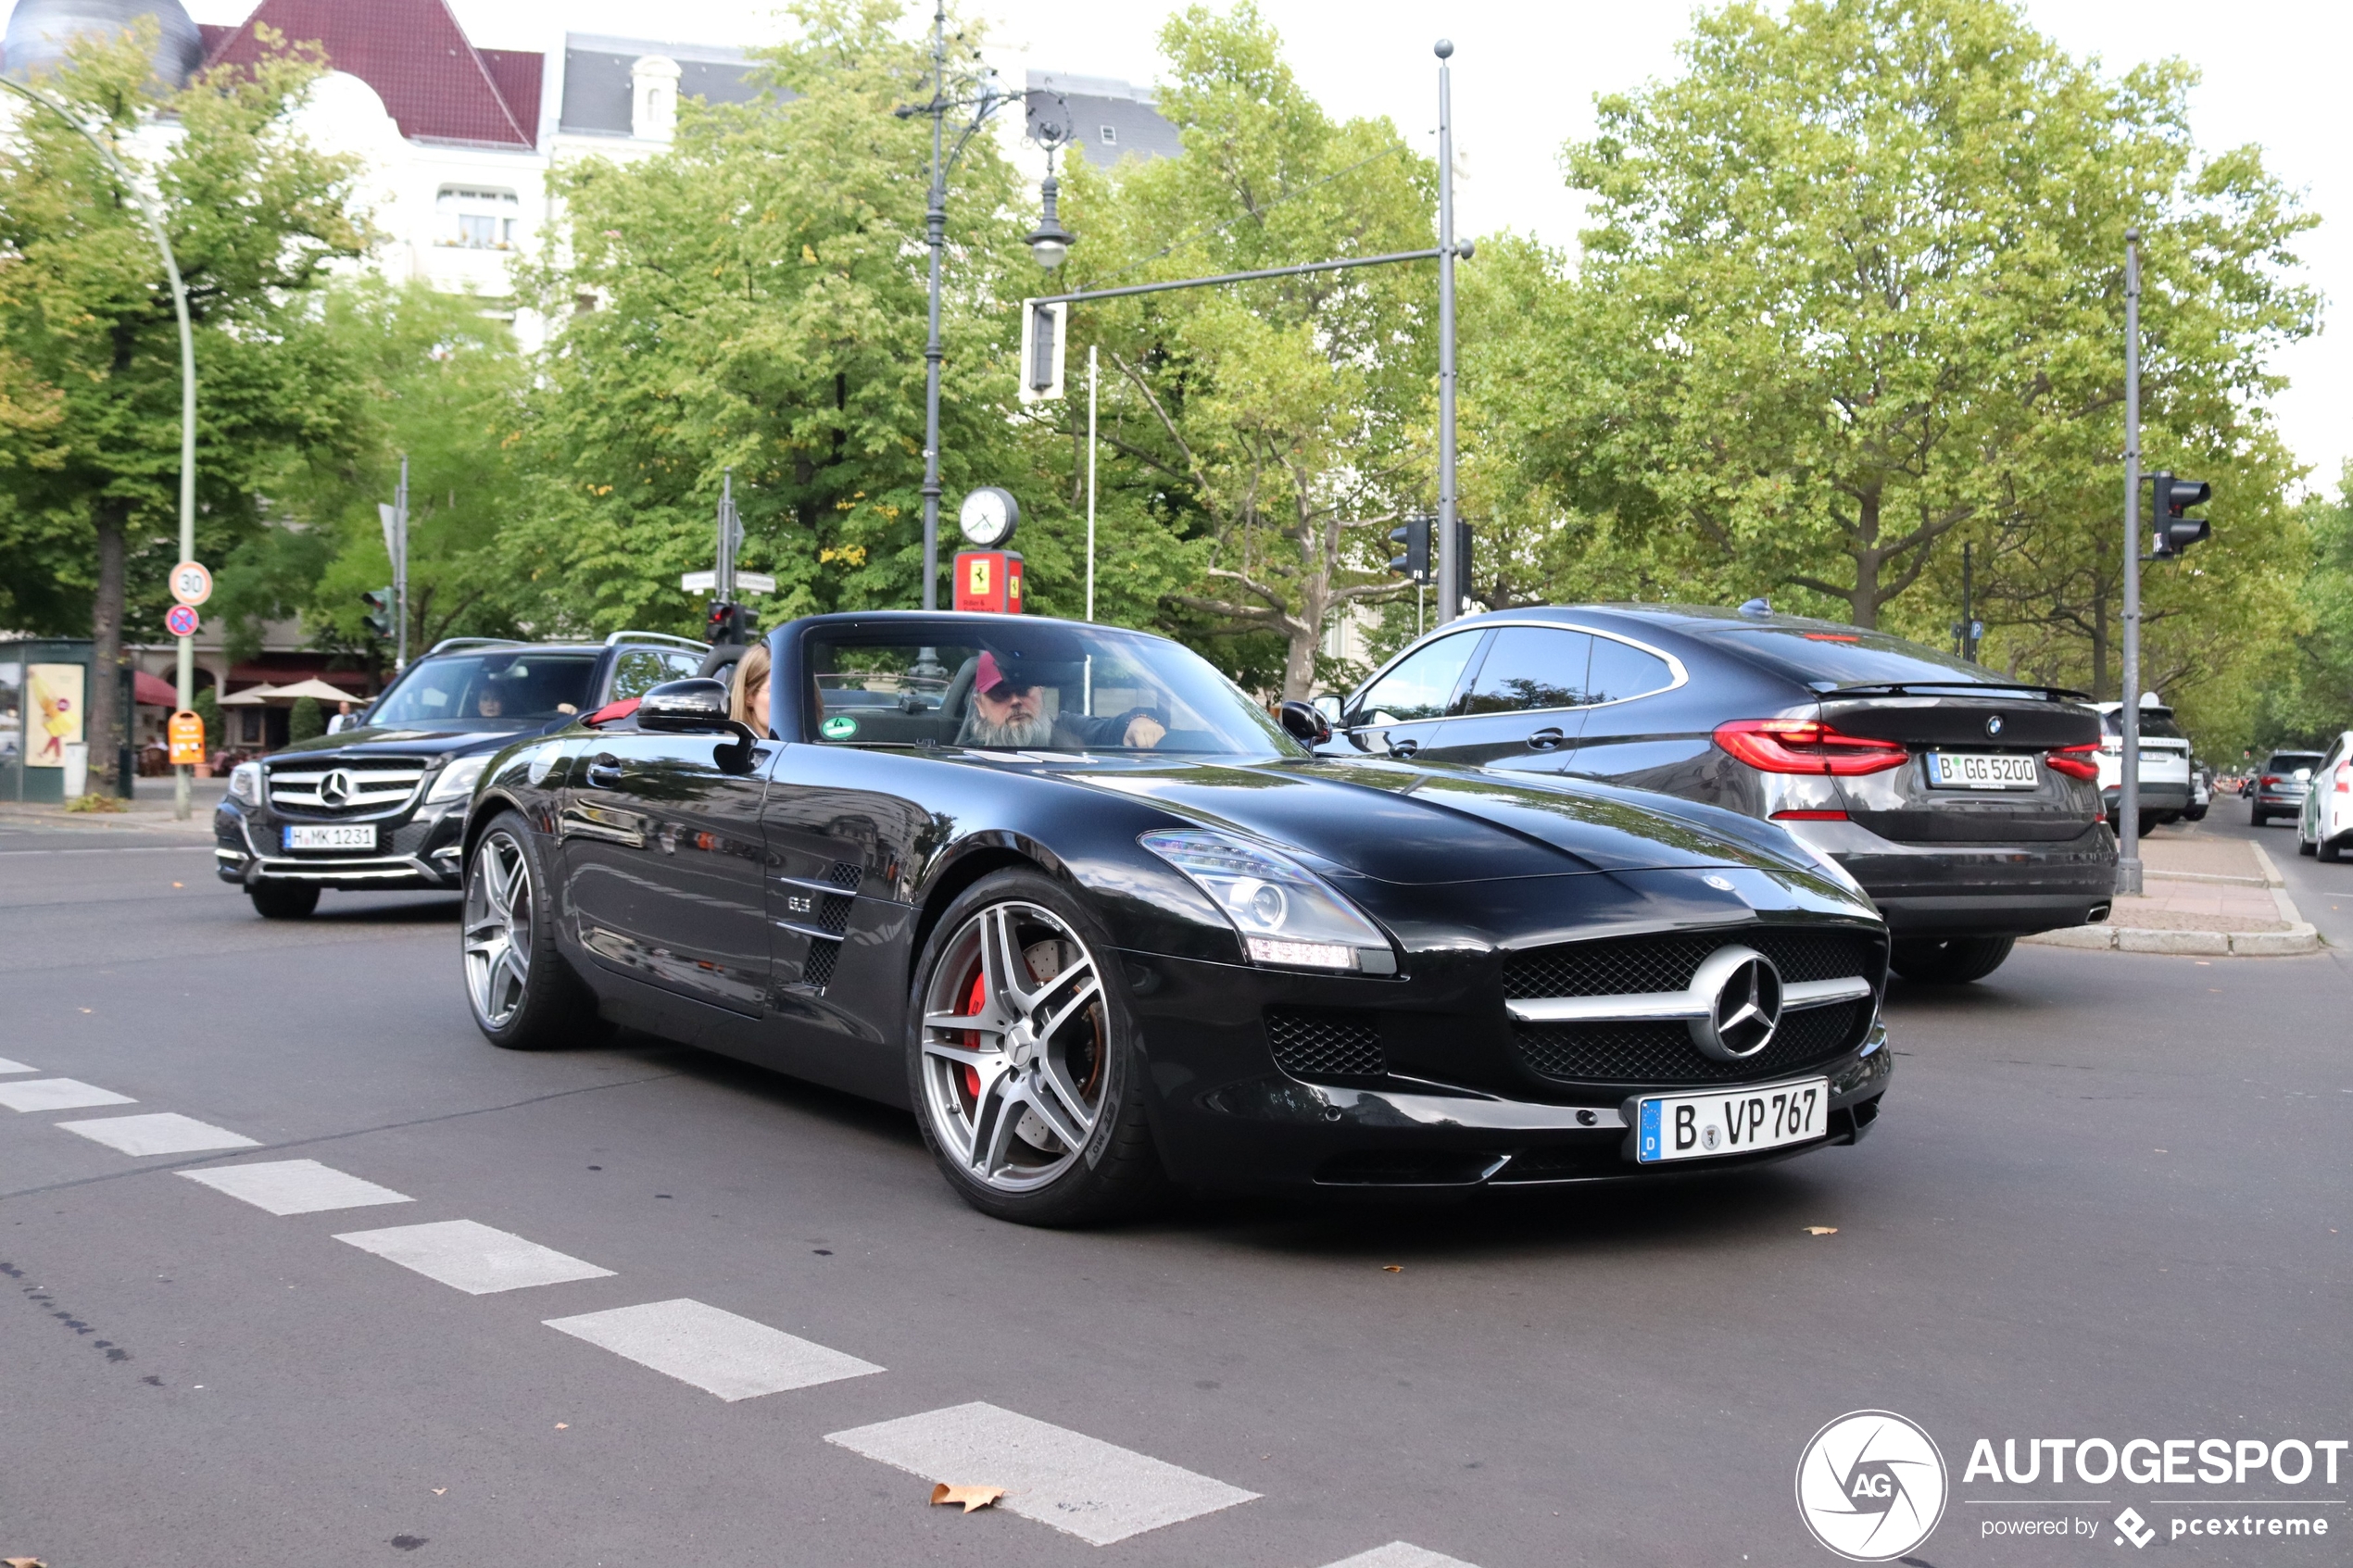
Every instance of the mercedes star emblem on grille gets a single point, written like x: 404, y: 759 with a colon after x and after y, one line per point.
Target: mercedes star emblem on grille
x: 1744, y: 999
x: 335, y: 788
x: 1994, y: 726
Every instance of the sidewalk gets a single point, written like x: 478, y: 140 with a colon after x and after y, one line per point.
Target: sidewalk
x: 150, y: 812
x: 2200, y: 895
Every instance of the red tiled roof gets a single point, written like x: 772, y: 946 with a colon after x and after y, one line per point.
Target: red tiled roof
x: 516, y: 74
x: 415, y: 56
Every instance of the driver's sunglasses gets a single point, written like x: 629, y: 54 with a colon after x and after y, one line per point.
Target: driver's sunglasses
x: 1004, y: 691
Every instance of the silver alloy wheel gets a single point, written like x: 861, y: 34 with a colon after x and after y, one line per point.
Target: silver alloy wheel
x: 1016, y: 1048
x: 497, y: 928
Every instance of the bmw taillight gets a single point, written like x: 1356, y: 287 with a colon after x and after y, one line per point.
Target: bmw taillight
x: 2076, y: 762
x: 1807, y: 746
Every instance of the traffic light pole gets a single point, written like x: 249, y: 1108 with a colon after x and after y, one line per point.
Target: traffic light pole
x: 400, y: 571
x: 2128, y: 795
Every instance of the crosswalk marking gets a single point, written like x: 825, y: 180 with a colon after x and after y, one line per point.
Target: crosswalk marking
x: 162, y: 1132
x: 1399, y: 1554
x: 295, y: 1186
x: 57, y: 1094
x: 1092, y: 1489
x: 7, y: 1066
x: 473, y: 1257
x: 715, y: 1350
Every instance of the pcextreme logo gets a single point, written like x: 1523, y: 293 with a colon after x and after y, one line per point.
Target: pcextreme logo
x: 1872, y: 1485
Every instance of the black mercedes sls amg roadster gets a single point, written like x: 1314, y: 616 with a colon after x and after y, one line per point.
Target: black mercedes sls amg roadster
x: 1074, y: 899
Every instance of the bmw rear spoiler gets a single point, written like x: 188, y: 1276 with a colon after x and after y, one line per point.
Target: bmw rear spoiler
x: 1947, y: 688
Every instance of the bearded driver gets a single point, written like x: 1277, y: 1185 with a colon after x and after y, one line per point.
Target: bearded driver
x: 1007, y: 716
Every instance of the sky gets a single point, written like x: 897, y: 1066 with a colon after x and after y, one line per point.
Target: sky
x: 1525, y: 74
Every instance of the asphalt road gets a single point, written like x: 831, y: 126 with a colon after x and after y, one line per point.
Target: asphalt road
x: 2105, y: 1202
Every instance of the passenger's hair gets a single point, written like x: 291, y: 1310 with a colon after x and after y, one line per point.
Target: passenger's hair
x: 752, y: 668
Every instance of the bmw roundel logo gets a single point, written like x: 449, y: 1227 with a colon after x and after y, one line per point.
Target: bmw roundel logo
x: 1994, y: 726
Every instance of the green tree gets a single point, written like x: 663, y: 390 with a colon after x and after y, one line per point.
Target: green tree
x: 754, y: 299
x: 2307, y: 695
x: 1281, y: 426
x: 88, y: 347
x: 305, y: 722
x: 1853, y: 292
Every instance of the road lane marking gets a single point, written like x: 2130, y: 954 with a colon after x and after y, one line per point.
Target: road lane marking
x: 162, y: 1132
x: 7, y: 1066
x: 293, y: 1186
x: 715, y: 1350
x: 57, y: 1094
x: 473, y: 1257
x: 1091, y: 1489
x: 1399, y: 1554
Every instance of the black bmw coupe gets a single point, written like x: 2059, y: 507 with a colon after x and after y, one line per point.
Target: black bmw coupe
x: 1074, y: 899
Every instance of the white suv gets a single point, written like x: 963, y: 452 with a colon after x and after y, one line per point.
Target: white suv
x: 2324, y: 827
x: 2164, y: 763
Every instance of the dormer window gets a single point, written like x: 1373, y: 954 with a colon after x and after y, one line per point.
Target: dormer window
x: 475, y: 218
x: 1110, y: 136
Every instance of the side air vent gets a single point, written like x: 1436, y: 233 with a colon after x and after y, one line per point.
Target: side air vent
x: 1324, y: 1043
x: 817, y: 970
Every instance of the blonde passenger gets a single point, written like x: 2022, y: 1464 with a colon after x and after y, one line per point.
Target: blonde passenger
x: 748, y: 701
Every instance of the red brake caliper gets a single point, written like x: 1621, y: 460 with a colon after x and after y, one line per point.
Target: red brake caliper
x: 972, y: 1036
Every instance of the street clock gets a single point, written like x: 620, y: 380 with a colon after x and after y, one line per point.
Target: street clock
x: 988, y: 516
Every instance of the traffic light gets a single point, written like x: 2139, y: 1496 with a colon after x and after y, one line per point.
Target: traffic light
x: 1464, y: 576
x: 2175, y: 495
x: 1043, y: 337
x: 1414, y: 563
x: 726, y: 623
x: 379, y: 616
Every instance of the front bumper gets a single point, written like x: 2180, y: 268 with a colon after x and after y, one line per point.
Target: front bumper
x: 417, y: 850
x: 1228, y: 1117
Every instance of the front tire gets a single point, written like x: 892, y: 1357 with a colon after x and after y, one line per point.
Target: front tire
x: 1023, y: 1058
x: 2255, y: 816
x: 522, y: 995
x: 284, y: 901
x: 1956, y: 961
x: 2329, y: 850
x: 2305, y: 846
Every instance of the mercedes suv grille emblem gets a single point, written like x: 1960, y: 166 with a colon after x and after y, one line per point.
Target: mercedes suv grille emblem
x: 334, y: 790
x: 1744, y: 1004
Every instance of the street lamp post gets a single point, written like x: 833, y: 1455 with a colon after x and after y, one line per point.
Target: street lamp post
x: 1450, y: 587
x: 187, y: 386
x: 2128, y: 791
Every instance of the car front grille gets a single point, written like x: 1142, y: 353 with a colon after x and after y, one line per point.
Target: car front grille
x: 1662, y: 1053
x: 333, y: 789
x: 1324, y: 1043
x: 1620, y: 965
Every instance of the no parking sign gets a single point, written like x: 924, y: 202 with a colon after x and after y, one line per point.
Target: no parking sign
x: 181, y: 620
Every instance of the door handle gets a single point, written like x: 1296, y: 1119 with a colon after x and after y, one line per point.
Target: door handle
x: 1405, y: 747
x: 1545, y: 739
x: 604, y: 772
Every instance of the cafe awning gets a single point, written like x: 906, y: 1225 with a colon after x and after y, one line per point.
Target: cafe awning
x: 153, y: 691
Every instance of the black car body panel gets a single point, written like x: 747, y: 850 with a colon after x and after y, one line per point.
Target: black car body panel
x: 1939, y: 861
x: 776, y: 911
x: 383, y: 778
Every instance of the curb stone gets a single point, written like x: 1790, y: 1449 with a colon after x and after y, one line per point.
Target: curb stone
x: 2298, y: 938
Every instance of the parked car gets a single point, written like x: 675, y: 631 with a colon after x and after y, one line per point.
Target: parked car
x: 2166, y: 790
x: 2201, y: 792
x: 2280, y: 785
x: 2324, y: 822
x: 382, y: 804
x: 1962, y: 801
x: 1074, y: 899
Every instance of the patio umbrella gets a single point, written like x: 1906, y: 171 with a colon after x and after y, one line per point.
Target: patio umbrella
x: 252, y: 697
x: 313, y: 688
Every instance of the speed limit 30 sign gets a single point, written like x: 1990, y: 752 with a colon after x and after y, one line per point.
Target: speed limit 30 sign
x: 191, y: 583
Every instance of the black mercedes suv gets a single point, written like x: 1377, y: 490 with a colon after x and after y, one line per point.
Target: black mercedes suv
x: 383, y: 804
x: 1964, y: 803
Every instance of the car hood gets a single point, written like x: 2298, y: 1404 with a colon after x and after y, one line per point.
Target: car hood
x: 423, y: 742
x: 1404, y: 824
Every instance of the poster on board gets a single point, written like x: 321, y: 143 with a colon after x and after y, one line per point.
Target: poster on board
x: 53, y: 712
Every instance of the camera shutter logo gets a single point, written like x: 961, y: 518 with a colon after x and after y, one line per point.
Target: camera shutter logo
x: 1872, y: 1485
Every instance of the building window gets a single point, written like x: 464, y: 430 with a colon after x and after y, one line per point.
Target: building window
x: 1110, y: 136
x: 472, y: 219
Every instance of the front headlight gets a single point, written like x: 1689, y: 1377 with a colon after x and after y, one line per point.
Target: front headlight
x: 1284, y: 912
x: 245, y: 782
x: 457, y: 779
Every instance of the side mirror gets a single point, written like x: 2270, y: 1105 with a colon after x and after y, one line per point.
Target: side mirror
x: 685, y: 708
x: 1305, y: 723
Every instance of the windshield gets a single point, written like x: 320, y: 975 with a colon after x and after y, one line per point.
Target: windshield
x: 2290, y: 762
x: 1846, y: 655
x: 1038, y: 686
x: 504, y: 686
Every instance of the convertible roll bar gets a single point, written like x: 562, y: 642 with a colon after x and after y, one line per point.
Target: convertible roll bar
x: 620, y: 638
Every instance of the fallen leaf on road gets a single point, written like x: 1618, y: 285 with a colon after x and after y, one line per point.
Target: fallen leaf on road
x: 179, y: 884
x: 23, y: 1562
x: 438, y: 1491
x: 1392, y: 1268
x: 971, y: 1496
x: 1821, y: 1230
x: 563, y: 1425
